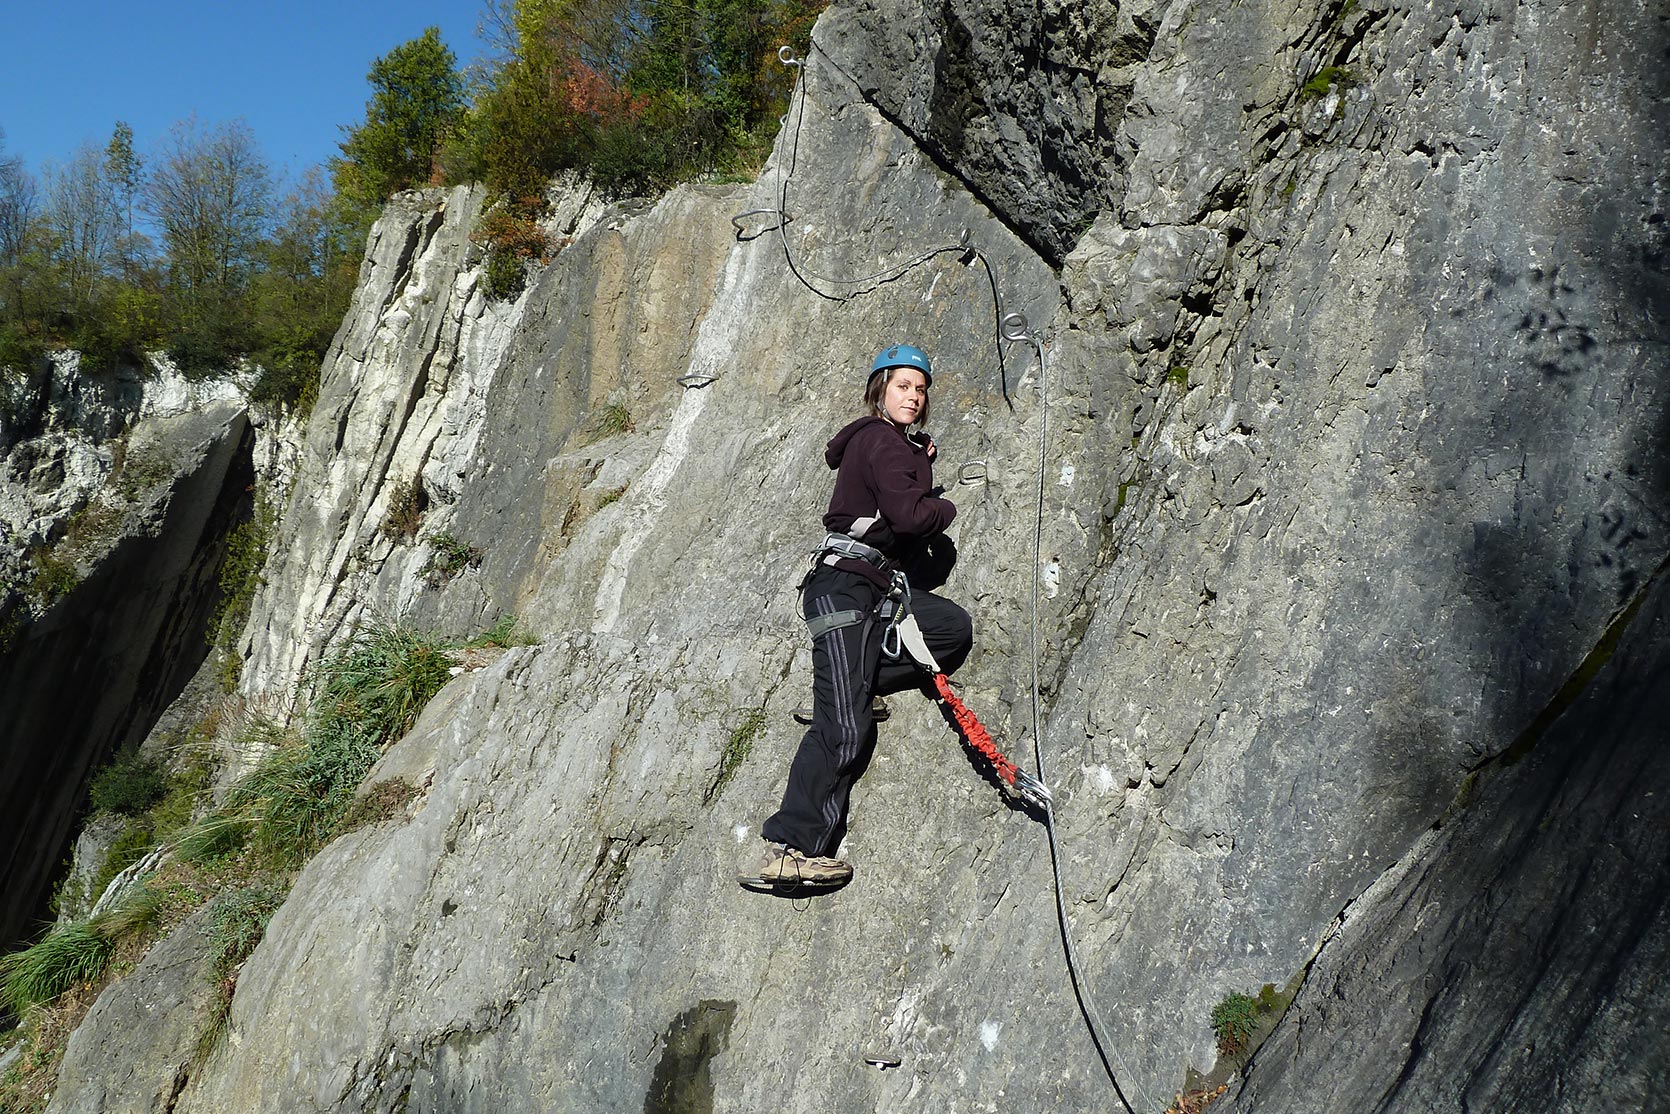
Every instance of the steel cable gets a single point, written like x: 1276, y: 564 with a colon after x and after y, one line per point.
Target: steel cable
x: 1015, y: 329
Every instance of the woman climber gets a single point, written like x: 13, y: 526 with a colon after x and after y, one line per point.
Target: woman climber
x: 885, y: 521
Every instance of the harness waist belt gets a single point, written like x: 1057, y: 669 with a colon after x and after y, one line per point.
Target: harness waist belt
x: 837, y: 546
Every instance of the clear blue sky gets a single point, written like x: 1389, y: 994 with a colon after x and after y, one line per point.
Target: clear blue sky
x: 294, y: 71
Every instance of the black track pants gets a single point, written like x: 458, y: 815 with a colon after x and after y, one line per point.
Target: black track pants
x: 848, y: 672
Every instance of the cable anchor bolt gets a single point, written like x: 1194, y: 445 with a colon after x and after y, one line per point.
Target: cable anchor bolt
x: 1015, y: 327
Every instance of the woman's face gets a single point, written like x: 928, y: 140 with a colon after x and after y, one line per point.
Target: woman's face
x: 904, y: 396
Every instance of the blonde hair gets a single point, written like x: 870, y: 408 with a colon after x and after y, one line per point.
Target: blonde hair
x: 878, y: 387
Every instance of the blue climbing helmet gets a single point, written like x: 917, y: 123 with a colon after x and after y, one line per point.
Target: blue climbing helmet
x: 903, y: 355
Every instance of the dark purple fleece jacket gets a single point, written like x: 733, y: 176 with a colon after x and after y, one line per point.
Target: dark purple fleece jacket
x: 883, y: 474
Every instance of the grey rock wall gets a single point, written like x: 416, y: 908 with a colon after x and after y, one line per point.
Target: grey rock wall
x: 1356, y: 413
x: 93, y: 673
x: 1517, y: 961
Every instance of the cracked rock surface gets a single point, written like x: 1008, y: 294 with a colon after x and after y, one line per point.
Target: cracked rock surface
x: 1356, y: 406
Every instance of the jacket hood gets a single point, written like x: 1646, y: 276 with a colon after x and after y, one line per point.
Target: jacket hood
x: 837, y: 447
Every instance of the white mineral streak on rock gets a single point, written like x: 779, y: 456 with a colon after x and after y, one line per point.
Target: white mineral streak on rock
x: 168, y: 392
x: 649, y: 498
x: 989, y: 1032
x: 717, y: 342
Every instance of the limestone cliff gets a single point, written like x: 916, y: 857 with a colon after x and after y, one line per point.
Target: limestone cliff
x: 116, y: 498
x: 1351, y: 577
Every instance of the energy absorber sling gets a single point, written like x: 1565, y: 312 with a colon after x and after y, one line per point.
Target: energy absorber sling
x: 904, y: 636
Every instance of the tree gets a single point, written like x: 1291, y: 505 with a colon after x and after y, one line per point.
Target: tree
x: 309, y: 270
x: 18, y: 205
x: 124, y: 168
x: 82, y: 220
x: 210, y: 194
x: 417, y: 98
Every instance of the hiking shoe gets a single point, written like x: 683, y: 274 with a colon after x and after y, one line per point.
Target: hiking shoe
x: 781, y: 866
x: 879, y: 711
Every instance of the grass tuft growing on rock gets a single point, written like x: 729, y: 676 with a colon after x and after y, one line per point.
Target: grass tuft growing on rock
x: 64, y: 957
x: 450, y: 555
x: 366, y: 696
x: 737, y: 749
x: 380, y: 802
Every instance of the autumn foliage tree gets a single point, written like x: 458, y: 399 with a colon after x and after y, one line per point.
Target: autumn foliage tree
x: 636, y: 94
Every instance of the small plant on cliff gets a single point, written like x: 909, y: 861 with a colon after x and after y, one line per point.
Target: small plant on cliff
x: 407, y: 502
x: 450, y: 555
x: 1342, y: 76
x: 240, y: 579
x: 506, y: 632
x: 237, y: 921
x: 380, y: 802
x: 737, y: 749
x: 609, y: 421
x: 1239, y: 1018
x: 54, y: 578
x: 1233, y: 1022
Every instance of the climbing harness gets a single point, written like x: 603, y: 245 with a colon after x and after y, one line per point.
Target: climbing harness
x: 901, y: 637
x: 902, y: 630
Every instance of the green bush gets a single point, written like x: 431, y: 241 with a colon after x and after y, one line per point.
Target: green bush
x: 66, y: 956
x: 128, y: 786
x: 1233, y: 1022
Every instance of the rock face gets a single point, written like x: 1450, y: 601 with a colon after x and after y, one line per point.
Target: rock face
x: 94, y: 671
x: 134, y: 1052
x: 1354, y: 473
x: 1535, y: 921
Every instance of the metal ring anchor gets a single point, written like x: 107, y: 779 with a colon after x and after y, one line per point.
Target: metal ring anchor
x: 1015, y: 327
x: 973, y: 473
x: 785, y: 55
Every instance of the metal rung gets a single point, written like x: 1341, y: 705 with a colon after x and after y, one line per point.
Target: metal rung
x: 743, y: 235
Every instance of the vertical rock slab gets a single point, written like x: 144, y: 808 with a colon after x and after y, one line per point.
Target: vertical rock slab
x: 1516, y: 960
x: 94, y: 672
x: 134, y: 1051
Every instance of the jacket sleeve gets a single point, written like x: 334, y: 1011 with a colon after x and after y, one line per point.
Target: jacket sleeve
x: 902, y: 497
